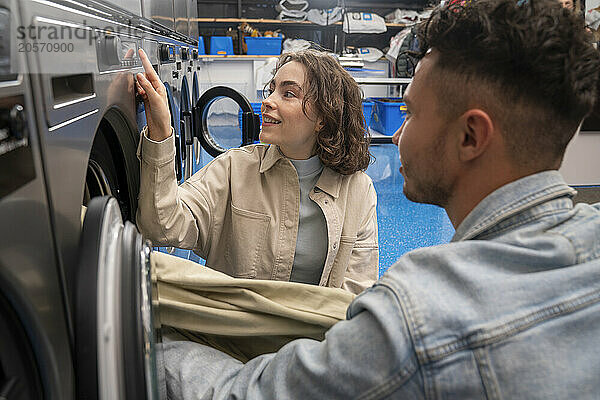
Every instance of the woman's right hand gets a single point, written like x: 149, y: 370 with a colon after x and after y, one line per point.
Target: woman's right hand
x: 154, y: 95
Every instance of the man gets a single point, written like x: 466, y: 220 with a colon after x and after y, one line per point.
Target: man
x: 511, y: 307
x: 568, y: 4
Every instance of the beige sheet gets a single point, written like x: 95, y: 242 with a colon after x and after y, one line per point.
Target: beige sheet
x: 243, y: 317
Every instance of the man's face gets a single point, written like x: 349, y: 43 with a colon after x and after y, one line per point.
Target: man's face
x: 567, y: 4
x: 423, y: 141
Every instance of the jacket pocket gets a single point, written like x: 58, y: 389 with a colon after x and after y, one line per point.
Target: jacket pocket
x: 246, y: 241
x: 342, y: 258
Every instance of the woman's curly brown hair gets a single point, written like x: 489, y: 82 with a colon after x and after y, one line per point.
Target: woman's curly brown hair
x: 342, y: 143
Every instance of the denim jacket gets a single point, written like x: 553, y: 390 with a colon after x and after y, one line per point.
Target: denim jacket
x: 510, y: 309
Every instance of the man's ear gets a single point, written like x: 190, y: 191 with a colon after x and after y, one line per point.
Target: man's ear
x: 476, y: 133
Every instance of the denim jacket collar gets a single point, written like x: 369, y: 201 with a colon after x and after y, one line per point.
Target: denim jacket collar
x: 510, y: 200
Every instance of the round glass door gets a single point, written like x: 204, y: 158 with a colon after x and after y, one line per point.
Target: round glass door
x: 224, y: 119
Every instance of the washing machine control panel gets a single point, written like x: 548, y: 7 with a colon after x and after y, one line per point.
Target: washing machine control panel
x: 117, y: 51
x: 166, y: 53
x: 16, y: 161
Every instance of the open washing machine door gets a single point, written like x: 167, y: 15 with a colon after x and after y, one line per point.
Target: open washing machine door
x: 210, y: 140
x: 118, y: 353
x: 179, y: 139
x: 185, y: 129
x: 197, y: 161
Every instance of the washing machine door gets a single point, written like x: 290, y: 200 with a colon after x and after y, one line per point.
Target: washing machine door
x: 179, y: 148
x: 117, y: 337
x: 195, y: 89
x: 185, y: 129
x: 197, y: 164
x: 224, y: 134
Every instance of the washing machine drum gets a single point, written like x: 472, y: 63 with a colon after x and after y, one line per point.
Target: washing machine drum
x: 117, y: 337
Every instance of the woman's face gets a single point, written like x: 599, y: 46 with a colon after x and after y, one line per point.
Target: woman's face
x: 284, y: 122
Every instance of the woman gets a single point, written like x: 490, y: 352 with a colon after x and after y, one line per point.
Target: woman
x: 296, y: 207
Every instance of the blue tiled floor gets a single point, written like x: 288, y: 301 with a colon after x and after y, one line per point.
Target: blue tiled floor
x: 403, y: 225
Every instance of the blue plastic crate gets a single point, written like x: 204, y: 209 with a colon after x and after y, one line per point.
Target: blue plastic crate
x: 255, y: 108
x: 388, y: 114
x: 367, y: 107
x: 221, y: 45
x: 263, y: 45
x: 201, y: 50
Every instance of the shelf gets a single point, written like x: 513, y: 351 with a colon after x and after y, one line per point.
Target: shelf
x: 379, y: 138
x: 272, y: 21
x: 208, y: 57
x: 382, y: 81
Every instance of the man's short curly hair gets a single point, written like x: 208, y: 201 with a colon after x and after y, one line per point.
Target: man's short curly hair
x: 530, y: 63
x: 336, y: 98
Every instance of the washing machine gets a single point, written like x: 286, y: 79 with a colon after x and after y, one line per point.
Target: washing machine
x: 99, y: 340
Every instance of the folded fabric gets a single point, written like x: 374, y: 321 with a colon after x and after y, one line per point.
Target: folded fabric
x: 286, y: 15
x: 592, y: 14
x: 592, y: 19
x: 409, y: 17
x: 291, y: 45
x: 292, y: 5
x: 325, y: 17
x: 242, y: 317
x: 370, y: 54
x: 362, y: 22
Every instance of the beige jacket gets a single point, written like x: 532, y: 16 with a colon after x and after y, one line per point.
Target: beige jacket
x: 241, y: 211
